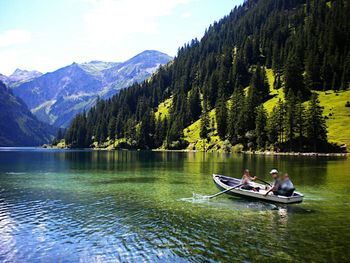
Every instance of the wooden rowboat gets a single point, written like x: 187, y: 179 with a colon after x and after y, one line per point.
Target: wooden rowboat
x: 225, y: 183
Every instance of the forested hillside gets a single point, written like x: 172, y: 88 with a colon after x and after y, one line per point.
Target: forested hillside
x: 250, y: 81
x: 18, y: 126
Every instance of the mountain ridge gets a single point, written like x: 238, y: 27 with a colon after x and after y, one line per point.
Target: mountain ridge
x: 19, y: 76
x: 18, y: 126
x: 56, y: 97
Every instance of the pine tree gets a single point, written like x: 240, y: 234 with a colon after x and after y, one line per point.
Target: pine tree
x: 160, y: 131
x: 252, y: 101
x: 290, y: 116
x: 272, y: 128
x: 223, y: 75
x: 259, y: 82
x: 248, y: 51
x: 195, y: 104
x: 221, y: 117
x: 204, y: 127
x: 293, y: 77
x: 276, y: 123
x: 316, y: 129
x: 213, y: 89
x: 146, y: 130
x: 299, y: 119
x: 326, y: 73
x: 281, y: 113
x: 345, y: 80
x: 235, y: 119
x: 81, y: 132
x: 277, y: 83
x: 102, y: 130
x: 260, y: 126
x: 212, y: 124
x: 112, y: 128
x: 60, y: 134
x: 312, y: 71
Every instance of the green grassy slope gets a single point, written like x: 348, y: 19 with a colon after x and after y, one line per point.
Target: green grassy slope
x: 276, y: 94
x: 191, y: 134
x: 338, y: 117
x: 163, y: 108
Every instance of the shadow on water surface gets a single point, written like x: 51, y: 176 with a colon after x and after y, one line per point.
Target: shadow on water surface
x: 126, y: 180
x: 239, y: 204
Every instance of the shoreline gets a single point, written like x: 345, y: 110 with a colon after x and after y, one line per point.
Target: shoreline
x: 268, y: 153
x: 260, y: 153
x: 296, y: 153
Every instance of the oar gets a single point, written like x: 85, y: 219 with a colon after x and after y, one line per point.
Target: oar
x: 262, y: 181
x: 220, y: 193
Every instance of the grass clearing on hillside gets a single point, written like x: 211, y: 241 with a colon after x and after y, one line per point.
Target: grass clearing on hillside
x: 192, y: 135
x: 164, y: 108
x: 338, y: 116
x: 276, y: 93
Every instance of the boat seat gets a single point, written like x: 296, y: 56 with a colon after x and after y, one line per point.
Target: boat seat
x: 288, y: 193
x: 225, y: 180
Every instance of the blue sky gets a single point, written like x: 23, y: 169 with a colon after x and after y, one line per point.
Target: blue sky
x: 46, y: 35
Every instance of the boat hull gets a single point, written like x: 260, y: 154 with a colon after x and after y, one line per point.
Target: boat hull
x: 225, y: 183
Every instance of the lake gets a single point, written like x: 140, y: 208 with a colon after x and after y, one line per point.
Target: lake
x: 129, y: 206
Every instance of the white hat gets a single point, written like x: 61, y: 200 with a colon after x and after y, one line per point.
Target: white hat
x: 274, y: 171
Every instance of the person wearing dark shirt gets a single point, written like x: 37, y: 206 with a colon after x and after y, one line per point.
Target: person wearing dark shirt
x: 287, y: 187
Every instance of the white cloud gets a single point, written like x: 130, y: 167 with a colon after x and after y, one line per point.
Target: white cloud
x: 112, y: 20
x: 13, y: 37
x: 186, y: 15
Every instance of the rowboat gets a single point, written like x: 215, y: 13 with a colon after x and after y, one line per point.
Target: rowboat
x: 225, y: 183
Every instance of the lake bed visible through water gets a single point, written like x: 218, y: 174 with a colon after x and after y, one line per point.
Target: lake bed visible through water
x: 129, y: 206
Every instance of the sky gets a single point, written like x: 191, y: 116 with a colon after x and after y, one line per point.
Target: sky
x: 46, y: 35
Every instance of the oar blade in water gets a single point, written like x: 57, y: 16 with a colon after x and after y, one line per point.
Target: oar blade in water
x: 200, y: 197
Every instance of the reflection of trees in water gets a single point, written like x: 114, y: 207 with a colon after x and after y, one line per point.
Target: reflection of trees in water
x: 303, y: 170
x: 32, y: 161
x: 102, y: 160
x: 123, y: 160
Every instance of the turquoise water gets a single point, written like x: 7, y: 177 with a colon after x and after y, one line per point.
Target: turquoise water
x: 90, y: 206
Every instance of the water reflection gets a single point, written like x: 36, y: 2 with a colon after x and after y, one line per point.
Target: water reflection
x: 304, y: 171
x: 137, y: 206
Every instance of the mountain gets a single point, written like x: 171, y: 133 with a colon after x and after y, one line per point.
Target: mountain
x: 21, y: 76
x: 136, y: 69
x: 271, y: 75
x: 3, y: 78
x: 18, y: 126
x: 56, y: 97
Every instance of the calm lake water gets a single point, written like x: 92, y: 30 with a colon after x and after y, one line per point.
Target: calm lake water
x: 90, y: 206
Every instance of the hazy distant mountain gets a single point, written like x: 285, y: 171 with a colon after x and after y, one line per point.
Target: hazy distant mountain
x: 19, y: 77
x: 58, y: 96
x: 18, y: 126
x: 3, y: 78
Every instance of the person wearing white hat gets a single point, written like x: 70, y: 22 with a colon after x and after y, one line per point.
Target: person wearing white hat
x: 276, y: 184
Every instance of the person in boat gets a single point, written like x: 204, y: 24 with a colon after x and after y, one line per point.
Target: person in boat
x: 246, y: 180
x: 276, y: 186
x: 287, y: 187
